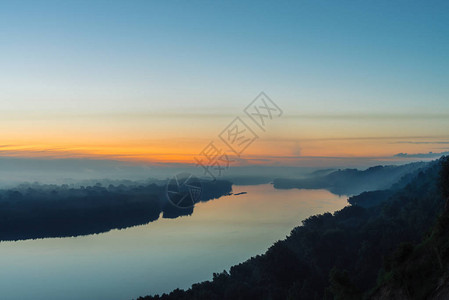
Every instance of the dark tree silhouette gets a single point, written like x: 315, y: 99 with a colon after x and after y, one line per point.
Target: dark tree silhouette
x: 38, y: 211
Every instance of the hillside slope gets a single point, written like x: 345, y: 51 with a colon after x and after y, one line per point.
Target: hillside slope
x: 421, y: 270
x: 339, y: 256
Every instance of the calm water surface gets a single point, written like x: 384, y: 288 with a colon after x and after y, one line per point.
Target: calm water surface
x: 160, y: 256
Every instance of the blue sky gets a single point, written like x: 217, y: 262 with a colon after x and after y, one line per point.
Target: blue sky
x: 325, y: 56
x: 157, y: 80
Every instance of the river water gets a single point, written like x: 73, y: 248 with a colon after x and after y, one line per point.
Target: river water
x: 162, y: 255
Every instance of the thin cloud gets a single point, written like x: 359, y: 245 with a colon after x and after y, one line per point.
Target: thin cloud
x: 212, y: 113
x: 423, y: 143
x: 422, y: 155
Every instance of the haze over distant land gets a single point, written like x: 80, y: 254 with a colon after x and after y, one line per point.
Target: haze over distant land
x: 17, y: 170
x: 353, y: 181
x: 34, y: 210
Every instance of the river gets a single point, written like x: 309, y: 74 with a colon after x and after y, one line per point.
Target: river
x: 162, y: 255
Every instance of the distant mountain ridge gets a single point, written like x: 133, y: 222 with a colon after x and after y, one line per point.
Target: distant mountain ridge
x: 352, y: 181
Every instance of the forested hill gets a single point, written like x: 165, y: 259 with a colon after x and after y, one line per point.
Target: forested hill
x: 420, y: 270
x: 344, y: 255
x: 352, y: 181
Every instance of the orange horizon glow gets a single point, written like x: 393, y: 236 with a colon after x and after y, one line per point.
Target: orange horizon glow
x: 261, y: 152
x: 179, y: 139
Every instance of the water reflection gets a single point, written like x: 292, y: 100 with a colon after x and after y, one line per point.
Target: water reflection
x: 160, y: 256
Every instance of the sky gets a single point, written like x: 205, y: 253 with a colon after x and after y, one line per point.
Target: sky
x: 154, y: 82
